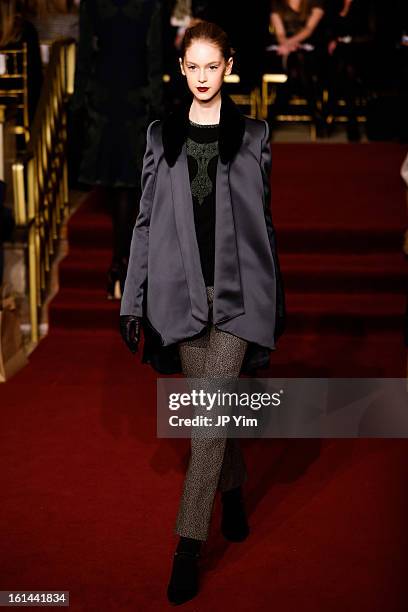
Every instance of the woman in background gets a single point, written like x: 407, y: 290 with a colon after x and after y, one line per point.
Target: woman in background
x: 118, y: 83
x: 351, y: 32
x: 55, y: 18
x: 295, y: 24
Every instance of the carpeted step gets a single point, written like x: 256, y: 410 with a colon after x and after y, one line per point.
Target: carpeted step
x: 345, y: 313
x: 90, y: 231
x: 84, y: 308
x: 85, y: 269
x: 338, y: 273
x: 340, y: 240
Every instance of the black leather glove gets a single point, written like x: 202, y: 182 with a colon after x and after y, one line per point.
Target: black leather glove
x: 130, y: 331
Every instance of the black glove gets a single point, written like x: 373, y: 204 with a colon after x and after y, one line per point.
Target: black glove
x: 130, y: 331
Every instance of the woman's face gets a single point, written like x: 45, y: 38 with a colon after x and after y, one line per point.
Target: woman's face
x: 204, y: 68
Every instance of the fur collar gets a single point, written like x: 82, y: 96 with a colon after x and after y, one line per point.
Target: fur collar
x: 231, y: 130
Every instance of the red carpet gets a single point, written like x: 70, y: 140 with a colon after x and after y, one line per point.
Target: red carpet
x: 90, y: 495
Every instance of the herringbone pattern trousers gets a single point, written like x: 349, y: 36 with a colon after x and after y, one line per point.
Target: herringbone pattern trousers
x: 215, y: 462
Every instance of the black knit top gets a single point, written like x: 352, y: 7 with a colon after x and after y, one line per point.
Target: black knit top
x: 202, y: 157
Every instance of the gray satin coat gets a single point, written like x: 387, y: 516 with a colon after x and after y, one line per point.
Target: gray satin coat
x: 164, y: 282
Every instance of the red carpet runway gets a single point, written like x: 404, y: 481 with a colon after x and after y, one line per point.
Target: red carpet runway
x: 89, y: 495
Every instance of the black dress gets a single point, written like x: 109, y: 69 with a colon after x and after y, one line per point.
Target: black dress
x: 359, y: 22
x: 295, y: 21
x: 352, y: 61
x: 119, y: 83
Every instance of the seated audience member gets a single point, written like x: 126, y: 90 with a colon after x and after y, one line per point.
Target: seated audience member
x: 178, y: 15
x: 351, y: 33
x: 297, y: 49
x: 184, y: 14
x: 247, y: 27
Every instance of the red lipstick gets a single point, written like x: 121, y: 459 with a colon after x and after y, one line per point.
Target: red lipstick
x: 202, y: 89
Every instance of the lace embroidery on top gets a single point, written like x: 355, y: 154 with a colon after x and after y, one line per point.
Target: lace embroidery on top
x: 203, y: 153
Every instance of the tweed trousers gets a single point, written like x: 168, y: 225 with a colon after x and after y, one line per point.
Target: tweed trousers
x: 215, y: 462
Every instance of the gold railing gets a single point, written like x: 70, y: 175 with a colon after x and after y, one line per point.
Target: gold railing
x: 40, y: 178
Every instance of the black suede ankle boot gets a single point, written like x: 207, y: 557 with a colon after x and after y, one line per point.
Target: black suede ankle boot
x: 234, y: 524
x: 184, y: 580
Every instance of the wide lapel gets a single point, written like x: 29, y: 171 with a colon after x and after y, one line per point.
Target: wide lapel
x: 184, y: 216
x: 228, y: 299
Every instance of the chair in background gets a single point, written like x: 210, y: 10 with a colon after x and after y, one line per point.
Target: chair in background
x: 296, y: 107
x: 250, y: 100
x: 340, y: 113
x: 14, y: 88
